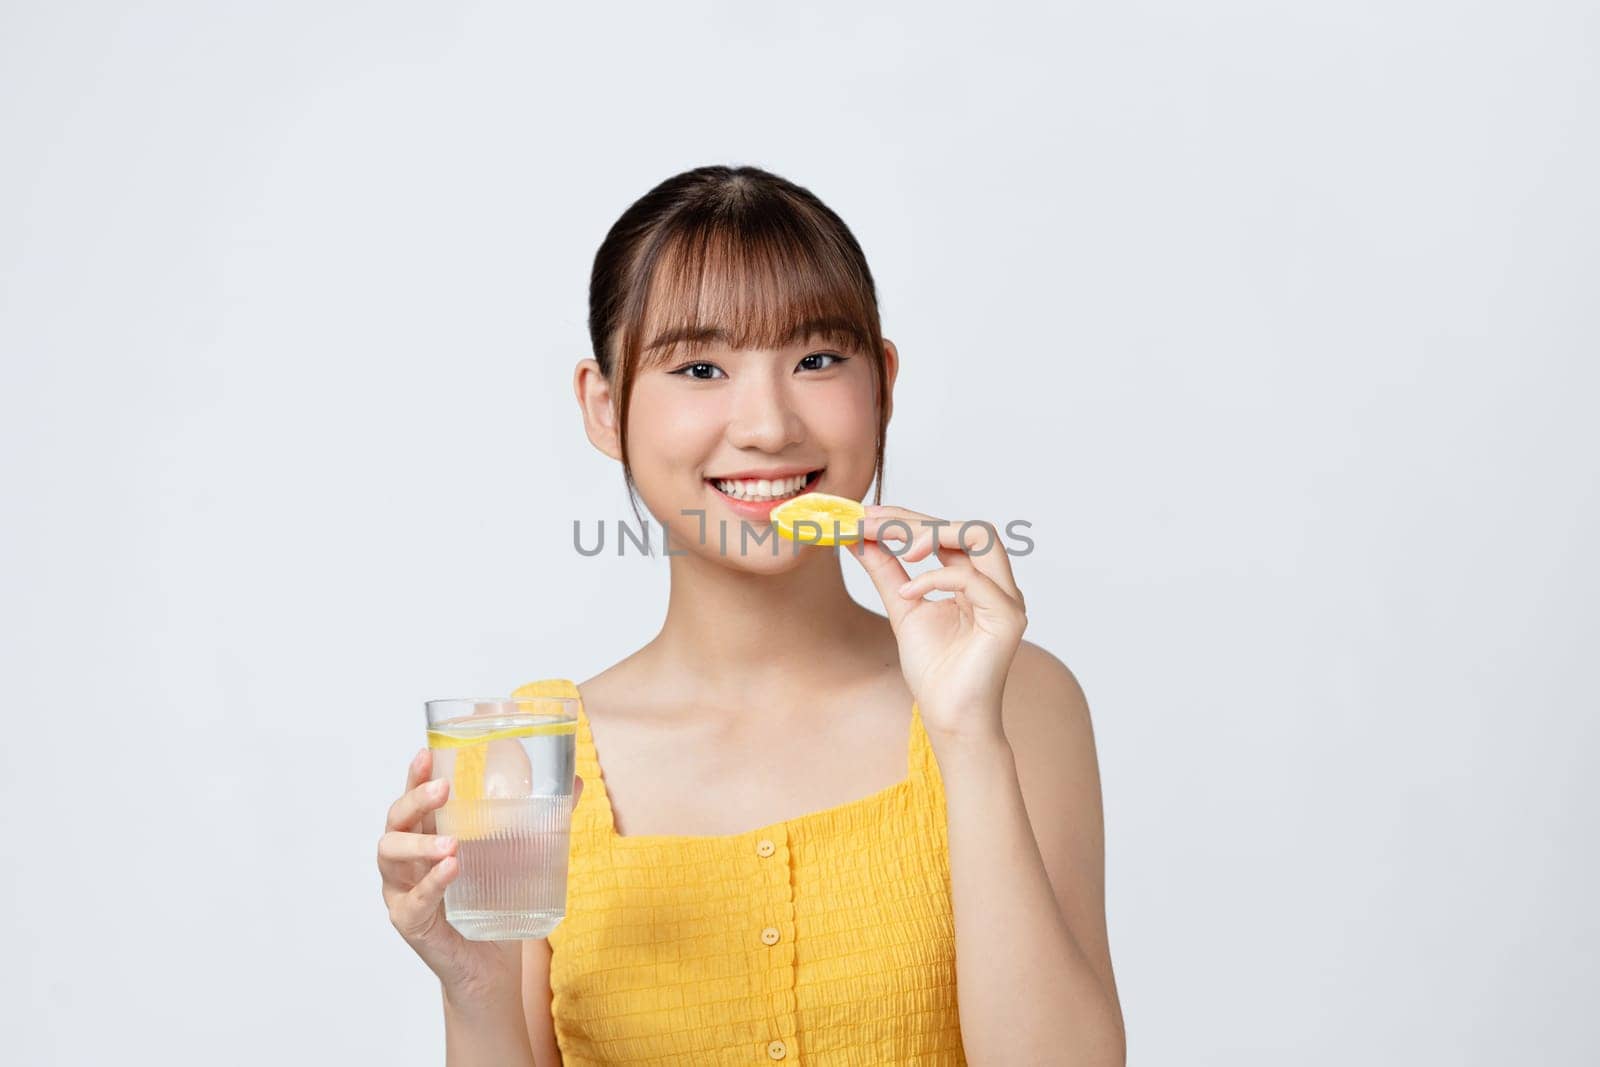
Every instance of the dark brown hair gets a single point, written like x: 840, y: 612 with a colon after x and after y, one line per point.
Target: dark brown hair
x: 736, y: 254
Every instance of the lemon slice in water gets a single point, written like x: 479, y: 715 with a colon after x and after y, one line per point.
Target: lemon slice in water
x: 471, y: 753
x: 448, y: 739
x: 820, y: 512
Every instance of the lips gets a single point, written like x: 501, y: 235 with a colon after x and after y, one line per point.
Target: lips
x: 761, y: 508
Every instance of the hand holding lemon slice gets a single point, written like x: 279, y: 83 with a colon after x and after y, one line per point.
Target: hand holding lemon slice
x: 812, y: 518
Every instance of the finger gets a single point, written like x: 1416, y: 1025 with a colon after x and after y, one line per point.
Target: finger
x: 977, y: 538
x: 397, y: 846
x: 957, y: 558
x: 415, y: 913
x: 407, y: 812
x: 914, y: 539
x: 923, y: 544
x: 404, y: 858
x: 419, y: 769
x: 887, y: 574
x: 954, y: 557
x: 887, y: 523
x: 991, y: 607
x: 980, y: 541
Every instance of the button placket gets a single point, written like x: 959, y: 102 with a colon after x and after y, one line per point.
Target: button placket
x: 777, y: 906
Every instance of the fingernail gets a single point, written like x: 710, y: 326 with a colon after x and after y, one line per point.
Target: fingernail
x: 445, y: 843
x: 436, y: 787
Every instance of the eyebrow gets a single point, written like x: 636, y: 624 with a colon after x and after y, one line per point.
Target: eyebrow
x: 704, y: 334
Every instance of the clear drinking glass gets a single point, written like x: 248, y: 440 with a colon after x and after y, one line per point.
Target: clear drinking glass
x: 511, y: 762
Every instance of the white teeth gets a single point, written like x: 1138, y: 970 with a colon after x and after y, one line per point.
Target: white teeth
x: 762, y: 488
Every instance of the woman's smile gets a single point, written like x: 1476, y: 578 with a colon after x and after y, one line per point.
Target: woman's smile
x: 755, y: 497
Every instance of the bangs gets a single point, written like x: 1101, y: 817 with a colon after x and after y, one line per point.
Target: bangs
x: 767, y: 281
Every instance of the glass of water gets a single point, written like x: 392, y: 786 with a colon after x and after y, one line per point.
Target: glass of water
x: 510, y: 762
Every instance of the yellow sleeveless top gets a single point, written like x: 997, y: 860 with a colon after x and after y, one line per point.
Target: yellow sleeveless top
x: 826, y: 939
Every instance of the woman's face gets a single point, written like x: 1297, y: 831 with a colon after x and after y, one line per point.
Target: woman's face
x: 698, y: 422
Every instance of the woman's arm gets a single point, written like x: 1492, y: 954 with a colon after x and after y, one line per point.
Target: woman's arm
x: 488, y: 1030
x: 536, y: 1003
x: 1033, y: 967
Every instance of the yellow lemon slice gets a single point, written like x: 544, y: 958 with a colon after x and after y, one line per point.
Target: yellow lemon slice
x: 819, y: 512
x: 446, y: 739
x: 466, y: 787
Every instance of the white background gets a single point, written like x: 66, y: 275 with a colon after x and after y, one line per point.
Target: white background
x: 1277, y: 321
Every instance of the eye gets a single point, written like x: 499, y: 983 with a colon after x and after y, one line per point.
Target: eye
x: 685, y: 371
x: 837, y: 359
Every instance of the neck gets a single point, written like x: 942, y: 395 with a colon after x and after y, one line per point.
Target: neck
x: 741, y: 632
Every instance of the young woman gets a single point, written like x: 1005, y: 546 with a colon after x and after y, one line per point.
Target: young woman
x: 821, y: 834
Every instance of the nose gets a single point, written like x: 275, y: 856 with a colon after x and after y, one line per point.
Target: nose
x: 763, y: 416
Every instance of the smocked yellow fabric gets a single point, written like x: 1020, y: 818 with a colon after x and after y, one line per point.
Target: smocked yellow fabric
x: 823, y: 940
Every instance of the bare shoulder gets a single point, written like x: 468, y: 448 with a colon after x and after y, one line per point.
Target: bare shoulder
x: 1045, y: 716
x: 605, y: 681
x: 619, y: 685
x: 1046, y: 719
x: 1041, y: 693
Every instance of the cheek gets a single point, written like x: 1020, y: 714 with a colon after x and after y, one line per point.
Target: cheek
x: 845, y: 419
x: 668, y: 431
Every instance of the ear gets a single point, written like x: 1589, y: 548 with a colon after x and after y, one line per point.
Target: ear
x: 599, y: 413
x: 891, y: 365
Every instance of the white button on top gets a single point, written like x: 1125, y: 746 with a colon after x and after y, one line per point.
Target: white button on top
x: 770, y: 935
x: 777, y: 1049
x: 765, y: 848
